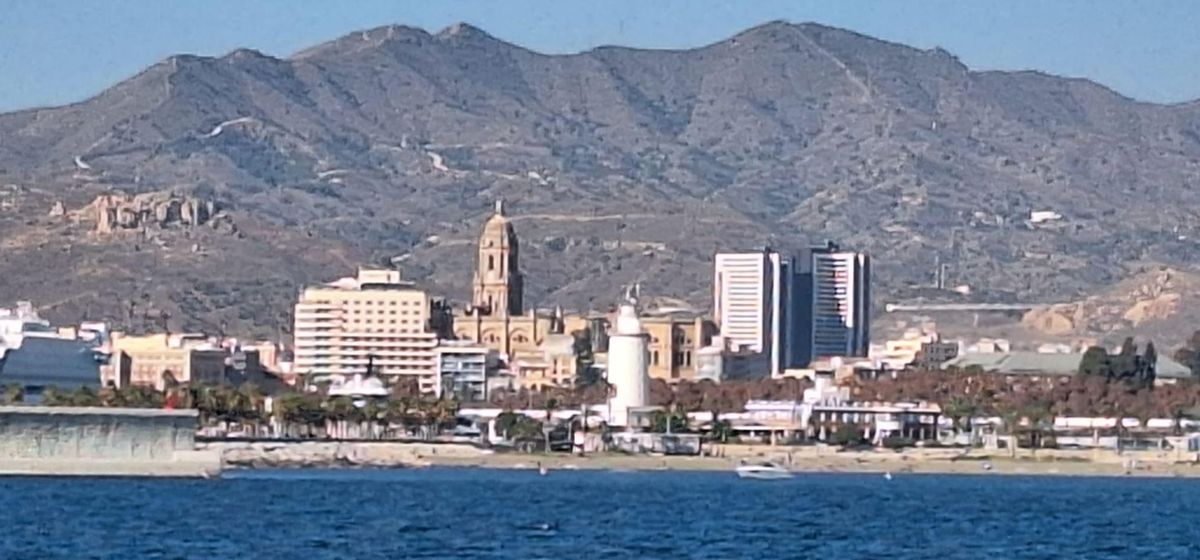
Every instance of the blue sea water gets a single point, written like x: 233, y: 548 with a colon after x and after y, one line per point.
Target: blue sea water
x: 472, y: 513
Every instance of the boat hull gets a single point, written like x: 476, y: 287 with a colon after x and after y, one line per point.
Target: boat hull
x: 764, y: 474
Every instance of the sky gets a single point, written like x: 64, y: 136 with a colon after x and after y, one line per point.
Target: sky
x: 57, y: 51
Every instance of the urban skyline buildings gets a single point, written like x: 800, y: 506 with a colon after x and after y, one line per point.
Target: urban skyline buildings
x: 774, y: 312
x: 751, y: 303
x: 793, y: 310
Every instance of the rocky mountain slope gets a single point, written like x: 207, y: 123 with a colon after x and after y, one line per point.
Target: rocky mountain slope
x: 389, y: 145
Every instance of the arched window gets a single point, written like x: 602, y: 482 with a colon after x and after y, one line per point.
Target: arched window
x: 491, y: 262
x: 654, y: 357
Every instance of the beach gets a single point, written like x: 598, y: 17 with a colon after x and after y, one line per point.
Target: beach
x: 801, y: 459
x: 808, y: 460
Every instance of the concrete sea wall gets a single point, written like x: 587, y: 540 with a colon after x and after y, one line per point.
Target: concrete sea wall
x: 63, y: 441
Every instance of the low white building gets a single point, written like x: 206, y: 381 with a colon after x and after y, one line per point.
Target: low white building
x: 464, y: 369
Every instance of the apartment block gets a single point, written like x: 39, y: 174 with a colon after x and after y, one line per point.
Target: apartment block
x: 375, y: 319
x: 157, y: 360
x: 754, y: 304
x: 464, y: 369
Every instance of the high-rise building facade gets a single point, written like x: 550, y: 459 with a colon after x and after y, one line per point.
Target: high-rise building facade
x: 375, y: 320
x: 840, y: 322
x: 793, y: 310
x: 753, y: 304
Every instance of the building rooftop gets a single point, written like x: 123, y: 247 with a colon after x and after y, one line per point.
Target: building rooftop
x: 42, y: 362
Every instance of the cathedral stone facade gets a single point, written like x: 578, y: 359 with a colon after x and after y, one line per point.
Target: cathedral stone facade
x: 531, y: 344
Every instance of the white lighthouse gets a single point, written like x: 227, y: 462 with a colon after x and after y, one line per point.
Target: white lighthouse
x: 628, y: 363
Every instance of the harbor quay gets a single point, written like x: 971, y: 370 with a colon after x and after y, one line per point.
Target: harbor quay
x: 94, y: 441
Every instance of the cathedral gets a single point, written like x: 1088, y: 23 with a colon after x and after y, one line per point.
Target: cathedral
x: 534, y: 347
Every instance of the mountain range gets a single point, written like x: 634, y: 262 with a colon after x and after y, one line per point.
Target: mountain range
x: 389, y: 146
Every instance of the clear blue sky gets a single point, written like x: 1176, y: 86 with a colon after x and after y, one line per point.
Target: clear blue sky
x: 58, y: 51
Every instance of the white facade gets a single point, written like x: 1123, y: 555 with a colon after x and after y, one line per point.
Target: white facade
x: 462, y: 368
x: 740, y: 299
x: 628, y: 366
x: 374, y: 319
x: 751, y: 292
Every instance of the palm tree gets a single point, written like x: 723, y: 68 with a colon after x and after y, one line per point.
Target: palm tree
x: 284, y: 412
x: 339, y: 410
x: 1041, y: 420
x: 447, y: 413
x: 51, y: 396
x: 253, y: 402
x: 83, y: 396
x: 550, y: 406
x: 957, y: 409
x: 721, y: 430
x: 396, y: 412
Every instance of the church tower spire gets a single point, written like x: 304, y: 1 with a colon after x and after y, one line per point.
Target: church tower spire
x: 498, y: 286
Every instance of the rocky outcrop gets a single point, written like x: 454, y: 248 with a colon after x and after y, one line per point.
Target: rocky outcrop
x: 58, y: 210
x: 336, y: 454
x: 1154, y: 297
x: 119, y: 211
x: 1053, y: 320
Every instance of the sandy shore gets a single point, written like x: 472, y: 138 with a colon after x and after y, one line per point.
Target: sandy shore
x: 803, y: 460
x: 718, y: 458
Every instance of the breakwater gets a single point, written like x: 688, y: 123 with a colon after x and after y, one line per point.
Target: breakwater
x: 384, y: 454
x: 90, y: 441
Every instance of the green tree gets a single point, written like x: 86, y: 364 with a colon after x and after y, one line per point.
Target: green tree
x: 847, y: 434
x: 374, y: 413
x: 958, y: 409
x: 14, y: 393
x: 339, y: 411
x: 252, y: 403
x: 1095, y: 362
x: 550, y: 406
x: 721, y: 430
x: 51, y: 396
x: 1149, y: 370
x: 83, y: 396
x: 1189, y: 354
x: 671, y: 421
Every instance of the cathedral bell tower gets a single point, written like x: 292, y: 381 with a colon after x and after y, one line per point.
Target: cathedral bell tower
x: 498, y: 288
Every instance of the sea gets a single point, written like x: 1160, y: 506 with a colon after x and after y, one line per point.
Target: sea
x: 478, y: 513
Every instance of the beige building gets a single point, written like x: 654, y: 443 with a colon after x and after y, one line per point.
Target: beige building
x: 674, y: 340
x: 153, y: 360
x: 497, y: 317
x: 555, y: 364
x: 375, y: 319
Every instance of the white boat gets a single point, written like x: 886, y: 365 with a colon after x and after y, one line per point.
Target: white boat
x: 763, y: 471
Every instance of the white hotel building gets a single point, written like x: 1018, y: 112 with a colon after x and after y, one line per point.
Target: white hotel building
x: 374, y: 319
